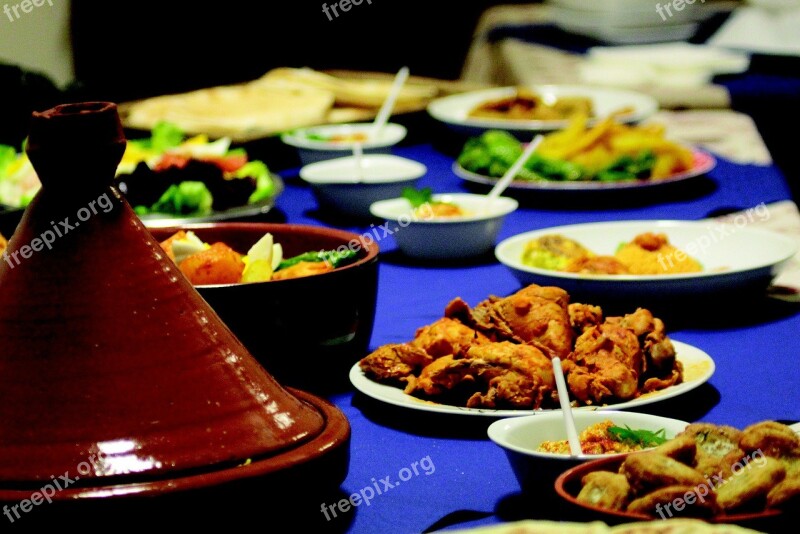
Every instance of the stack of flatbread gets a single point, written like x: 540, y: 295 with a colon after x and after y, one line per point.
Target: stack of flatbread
x: 281, y: 100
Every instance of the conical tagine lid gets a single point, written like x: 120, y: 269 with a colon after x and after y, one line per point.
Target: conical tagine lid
x: 111, y: 364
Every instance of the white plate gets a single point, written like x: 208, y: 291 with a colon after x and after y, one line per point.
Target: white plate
x: 453, y: 110
x: 703, y: 163
x: 734, y: 257
x: 697, y: 365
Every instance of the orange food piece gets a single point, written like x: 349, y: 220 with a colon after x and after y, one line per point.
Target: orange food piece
x: 167, y: 243
x: 218, y: 264
x: 303, y: 268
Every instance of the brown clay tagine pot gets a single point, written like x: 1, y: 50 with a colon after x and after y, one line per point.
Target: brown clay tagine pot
x: 112, y: 367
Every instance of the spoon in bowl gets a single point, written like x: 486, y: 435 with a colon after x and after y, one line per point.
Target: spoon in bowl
x: 566, y: 409
x: 512, y: 171
x: 388, y: 105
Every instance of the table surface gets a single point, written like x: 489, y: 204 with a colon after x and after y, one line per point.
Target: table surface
x: 467, y: 480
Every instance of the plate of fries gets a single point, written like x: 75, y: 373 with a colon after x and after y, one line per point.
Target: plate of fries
x: 585, y: 156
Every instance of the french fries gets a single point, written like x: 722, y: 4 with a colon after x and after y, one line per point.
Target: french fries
x: 596, y: 147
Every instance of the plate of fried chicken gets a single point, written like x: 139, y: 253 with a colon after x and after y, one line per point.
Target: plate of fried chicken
x: 494, y: 359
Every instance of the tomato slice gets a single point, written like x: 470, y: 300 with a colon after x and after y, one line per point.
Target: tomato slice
x: 171, y: 160
x: 228, y: 163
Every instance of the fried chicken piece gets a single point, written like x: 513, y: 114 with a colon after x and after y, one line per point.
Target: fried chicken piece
x: 649, y: 470
x: 536, y: 315
x: 394, y: 362
x: 442, y: 375
x: 493, y: 375
x: 519, y: 376
x: 447, y: 336
x: 658, y: 350
x: 717, y: 447
x: 785, y: 493
x: 692, y: 501
x: 769, y: 437
x: 657, y: 383
x: 478, y: 318
x: 605, y: 489
x: 750, y: 484
x: 607, y: 361
x: 582, y: 316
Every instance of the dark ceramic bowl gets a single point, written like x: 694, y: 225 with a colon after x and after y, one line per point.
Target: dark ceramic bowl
x: 568, y: 485
x: 307, y: 332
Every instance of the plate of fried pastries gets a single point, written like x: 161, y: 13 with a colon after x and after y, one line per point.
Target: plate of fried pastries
x: 494, y: 359
x: 714, y: 472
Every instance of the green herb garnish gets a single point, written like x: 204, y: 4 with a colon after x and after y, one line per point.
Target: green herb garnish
x: 645, y: 438
x: 335, y: 258
x: 418, y: 197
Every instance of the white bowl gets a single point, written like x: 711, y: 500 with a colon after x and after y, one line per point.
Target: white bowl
x: 424, y: 237
x: 519, y: 438
x: 337, y: 185
x: 311, y: 150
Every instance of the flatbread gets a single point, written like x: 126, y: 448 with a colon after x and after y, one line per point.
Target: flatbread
x: 669, y: 526
x: 235, y: 110
x: 350, y: 92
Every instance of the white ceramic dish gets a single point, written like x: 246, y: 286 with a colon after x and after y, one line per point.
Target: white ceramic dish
x: 340, y: 185
x: 312, y: 150
x: 453, y: 110
x: 698, y: 367
x: 419, y: 235
x: 519, y: 437
x: 735, y: 257
x: 703, y: 163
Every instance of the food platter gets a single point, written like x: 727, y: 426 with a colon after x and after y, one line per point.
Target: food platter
x: 716, y: 246
x: 698, y: 369
x: 10, y: 216
x: 703, y: 163
x: 238, y: 212
x: 454, y: 110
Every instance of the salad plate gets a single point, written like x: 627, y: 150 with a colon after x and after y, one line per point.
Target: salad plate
x: 698, y: 369
x: 703, y: 163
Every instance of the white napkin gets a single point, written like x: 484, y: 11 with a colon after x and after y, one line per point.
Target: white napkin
x: 769, y: 27
x: 667, y: 64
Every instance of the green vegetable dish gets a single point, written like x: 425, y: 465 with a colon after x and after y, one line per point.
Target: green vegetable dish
x: 164, y: 174
x: 494, y: 152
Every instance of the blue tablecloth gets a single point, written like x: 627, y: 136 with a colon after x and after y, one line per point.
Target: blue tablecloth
x: 461, y: 476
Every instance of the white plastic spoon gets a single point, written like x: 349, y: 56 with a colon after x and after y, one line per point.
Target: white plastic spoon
x: 388, y: 105
x: 512, y: 171
x: 566, y: 409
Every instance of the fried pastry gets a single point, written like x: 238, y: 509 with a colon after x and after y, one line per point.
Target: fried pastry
x: 605, y: 489
x: 682, y: 448
x: 647, y: 470
x: 750, y: 483
x: 717, y: 447
x: 676, y: 500
x: 769, y: 437
x: 784, y: 493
